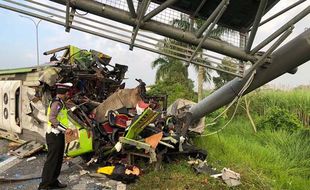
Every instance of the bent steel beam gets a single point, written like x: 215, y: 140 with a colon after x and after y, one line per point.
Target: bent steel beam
x: 211, y: 18
x: 131, y: 8
x: 290, y: 23
x: 281, y: 12
x: 158, y: 9
x: 217, y: 18
x: 166, y: 30
x: 258, y: 17
x: 285, y: 59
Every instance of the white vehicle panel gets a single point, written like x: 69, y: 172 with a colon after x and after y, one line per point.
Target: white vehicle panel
x: 10, y: 106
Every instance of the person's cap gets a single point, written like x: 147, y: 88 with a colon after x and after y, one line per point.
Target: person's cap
x: 62, y: 88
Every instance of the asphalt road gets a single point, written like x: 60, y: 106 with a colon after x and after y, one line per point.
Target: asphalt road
x: 70, y: 174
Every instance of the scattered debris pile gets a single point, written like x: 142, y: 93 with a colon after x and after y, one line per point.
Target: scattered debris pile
x: 113, y: 126
x: 230, y: 177
x: 128, y: 124
x: 90, y: 71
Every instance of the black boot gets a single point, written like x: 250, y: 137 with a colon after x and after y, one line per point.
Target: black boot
x: 42, y: 187
x: 58, y: 185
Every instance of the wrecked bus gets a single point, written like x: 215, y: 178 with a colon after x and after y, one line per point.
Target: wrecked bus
x: 109, y: 121
x: 26, y: 92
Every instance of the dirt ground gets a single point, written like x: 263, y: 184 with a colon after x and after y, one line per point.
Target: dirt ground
x: 70, y: 174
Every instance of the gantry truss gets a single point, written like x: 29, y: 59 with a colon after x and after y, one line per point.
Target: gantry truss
x: 148, y: 24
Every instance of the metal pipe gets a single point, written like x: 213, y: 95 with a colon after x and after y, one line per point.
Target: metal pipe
x: 108, y: 37
x: 281, y: 12
x: 158, y: 9
x: 67, y: 16
x: 55, y: 50
x: 141, y: 12
x: 283, y: 60
x: 36, y: 24
x: 290, y: 23
x: 145, y: 42
x: 131, y: 9
x: 124, y: 17
x: 199, y: 8
x: 269, y: 51
x: 258, y: 17
x: 211, y: 18
x: 209, y: 30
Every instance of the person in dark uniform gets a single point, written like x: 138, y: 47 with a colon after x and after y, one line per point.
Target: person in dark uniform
x: 57, y: 125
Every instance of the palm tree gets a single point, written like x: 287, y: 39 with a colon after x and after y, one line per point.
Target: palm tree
x: 185, y: 23
x: 223, y: 78
x: 172, y: 79
x: 169, y: 68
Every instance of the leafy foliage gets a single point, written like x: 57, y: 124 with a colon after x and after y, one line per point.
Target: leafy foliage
x: 174, y: 89
x: 279, y: 119
x: 172, y: 79
x: 169, y: 69
x: 222, y: 77
x: 185, y: 50
x: 266, y: 160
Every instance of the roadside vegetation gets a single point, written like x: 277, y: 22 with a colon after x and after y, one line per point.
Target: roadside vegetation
x: 277, y: 156
x: 267, y: 141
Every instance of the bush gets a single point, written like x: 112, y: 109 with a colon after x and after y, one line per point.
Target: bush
x: 209, y: 119
x: 279, y: 119
x: 174, y: 90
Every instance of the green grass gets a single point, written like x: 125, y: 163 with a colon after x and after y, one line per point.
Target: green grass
x: 266, y: 160
x: 296, y: 101
x: 176, y: 176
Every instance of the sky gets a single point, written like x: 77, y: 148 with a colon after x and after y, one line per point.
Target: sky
x: 18, y: 45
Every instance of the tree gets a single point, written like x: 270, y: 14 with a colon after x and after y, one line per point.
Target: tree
x: 172, y: 79
x: 222, y: 77
x: 187, y: 24
x: 169, y: 69
x: 174, y: 90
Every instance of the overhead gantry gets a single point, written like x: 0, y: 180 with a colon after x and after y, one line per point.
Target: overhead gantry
x: 147, y: 24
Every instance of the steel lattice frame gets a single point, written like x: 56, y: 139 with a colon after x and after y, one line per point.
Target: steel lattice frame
x: 130, y: 21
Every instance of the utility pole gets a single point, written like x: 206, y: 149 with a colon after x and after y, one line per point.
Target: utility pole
x: 37, y: 34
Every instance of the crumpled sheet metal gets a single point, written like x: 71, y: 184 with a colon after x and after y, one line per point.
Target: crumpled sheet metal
x: 181, y: 106
x: 50, y: 75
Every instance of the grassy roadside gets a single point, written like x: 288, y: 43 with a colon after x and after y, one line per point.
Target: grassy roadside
x: 265, y: 160
x: 176, y: 176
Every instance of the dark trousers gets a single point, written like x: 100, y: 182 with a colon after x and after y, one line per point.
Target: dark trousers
x: 56, y: 145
